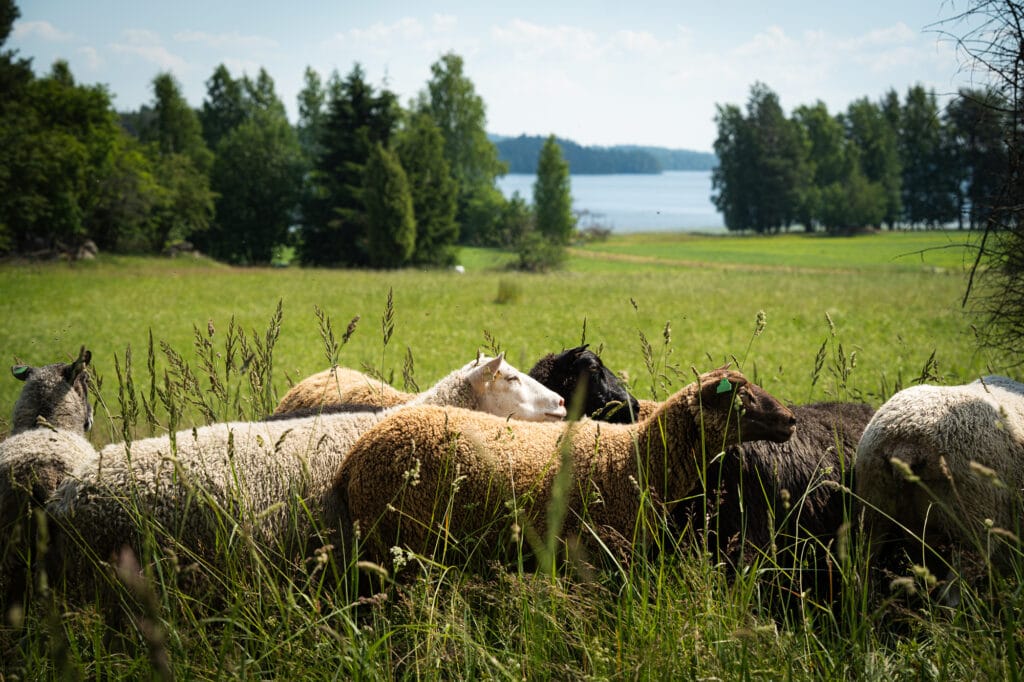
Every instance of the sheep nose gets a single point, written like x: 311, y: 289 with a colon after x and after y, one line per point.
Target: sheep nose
x: 561, y: 402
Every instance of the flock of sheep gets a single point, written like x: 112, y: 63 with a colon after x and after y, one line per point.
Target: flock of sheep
x: 486, y: 465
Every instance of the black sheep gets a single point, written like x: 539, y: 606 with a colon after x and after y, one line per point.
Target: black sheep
x: 783, y: 500
x: 605, y: 396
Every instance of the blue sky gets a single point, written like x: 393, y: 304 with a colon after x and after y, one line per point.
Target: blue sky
x: 625, y: 72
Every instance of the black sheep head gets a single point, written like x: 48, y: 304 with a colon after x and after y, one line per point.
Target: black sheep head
x: 580, y: 371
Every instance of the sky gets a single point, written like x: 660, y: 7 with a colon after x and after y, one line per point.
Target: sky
x: 599, y: 73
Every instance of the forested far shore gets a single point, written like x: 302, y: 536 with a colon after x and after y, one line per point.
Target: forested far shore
x: 521, y: 154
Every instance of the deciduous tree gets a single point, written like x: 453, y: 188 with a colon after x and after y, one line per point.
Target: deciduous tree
x: 460, y: 114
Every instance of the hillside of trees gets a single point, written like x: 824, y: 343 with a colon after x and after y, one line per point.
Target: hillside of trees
x: 522, y: 154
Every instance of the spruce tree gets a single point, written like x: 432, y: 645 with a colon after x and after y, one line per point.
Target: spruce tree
x: 391, y: 231
x: 421, y: 151
x: 552, y: 196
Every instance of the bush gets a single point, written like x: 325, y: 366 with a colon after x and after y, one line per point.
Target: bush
x: 536, y: 254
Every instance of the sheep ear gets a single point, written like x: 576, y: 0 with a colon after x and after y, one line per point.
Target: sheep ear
x: 578, y: 350
x: 494, y: 365
x: 21, y: 372
x: 75, y: 369
x: 725, y: 367
x: 713, y: 385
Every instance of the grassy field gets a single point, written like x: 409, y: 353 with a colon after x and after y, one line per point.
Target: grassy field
x: 850, y: 318
x: 892, y: 316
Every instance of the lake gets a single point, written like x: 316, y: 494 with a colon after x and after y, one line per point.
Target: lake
x: 670, y: 201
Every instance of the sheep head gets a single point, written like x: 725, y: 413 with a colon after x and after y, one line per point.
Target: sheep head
x: 579, y: 376
x: 740, y: 410
x: 503, y: 390
x: 57, y: 393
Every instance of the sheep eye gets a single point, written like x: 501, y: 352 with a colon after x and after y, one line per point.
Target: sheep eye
x: 512, y: 377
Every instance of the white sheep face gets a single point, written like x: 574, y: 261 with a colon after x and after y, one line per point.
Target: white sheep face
x: 503, y: 390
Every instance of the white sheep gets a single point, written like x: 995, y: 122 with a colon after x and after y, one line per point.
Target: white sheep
x: 200, y: 482
x: 432, y: 479
x: 945, y: 464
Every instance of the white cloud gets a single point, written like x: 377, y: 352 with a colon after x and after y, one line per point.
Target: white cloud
x: 233, y: 40
x: 41, y: 29
x: 92, y: 58
x: 156, y: 54
x: 444, y: 23
x: 147, y: 45
x: 141, y: 36
x: 640, y: 42
x: 529, y: 41
x: 381, y: 34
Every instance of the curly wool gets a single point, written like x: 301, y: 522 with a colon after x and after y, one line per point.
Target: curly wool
x: 340, y: 386
x: 400, y: 478
x: 938, y: 437
x: 265, y: 477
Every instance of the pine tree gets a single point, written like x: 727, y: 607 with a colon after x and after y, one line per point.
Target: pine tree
x: 224, y: 107
x: 392, y: 225
x: 420, y: 149
x: 334, y: 225
x: 552, y: 195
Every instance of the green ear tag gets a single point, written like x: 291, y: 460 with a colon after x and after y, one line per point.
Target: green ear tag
x: 723, y: 386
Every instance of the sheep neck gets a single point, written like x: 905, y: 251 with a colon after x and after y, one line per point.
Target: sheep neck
x: 454, y: 390
x: 677, y: 441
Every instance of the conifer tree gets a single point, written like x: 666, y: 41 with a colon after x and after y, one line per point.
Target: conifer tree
x: 421, y: 151
x: 391, y: 233
x: 552, y: 196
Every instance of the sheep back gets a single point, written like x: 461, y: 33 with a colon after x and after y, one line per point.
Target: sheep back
x: 430, y: 478
x: 208, y: 482
x: 938, y: 432
x: 340, y: 385
x: 32, y: 465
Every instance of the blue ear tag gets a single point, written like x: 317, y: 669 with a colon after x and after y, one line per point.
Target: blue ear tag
x: 723, y: 386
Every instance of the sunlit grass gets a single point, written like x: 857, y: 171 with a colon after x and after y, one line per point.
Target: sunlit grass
x: 910, y: 251
x: 894, y: 318
x: 673, y: 616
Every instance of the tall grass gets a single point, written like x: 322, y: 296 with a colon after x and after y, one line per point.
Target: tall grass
x: 254, y: 611
x: 250, y: 613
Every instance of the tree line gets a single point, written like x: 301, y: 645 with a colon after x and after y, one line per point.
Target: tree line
x: 891, y: 162
x: 358, y: 181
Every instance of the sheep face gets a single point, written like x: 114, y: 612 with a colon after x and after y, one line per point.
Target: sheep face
x: 578, y: 374
x: 58, y: 393
x: 503, y: 390
x: 744, y: 411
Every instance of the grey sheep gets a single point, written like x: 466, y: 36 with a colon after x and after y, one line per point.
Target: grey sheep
x: 436, y: 479
x: 50, y: 420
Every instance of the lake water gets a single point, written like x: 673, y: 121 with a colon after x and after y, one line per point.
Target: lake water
x: 670, y: 201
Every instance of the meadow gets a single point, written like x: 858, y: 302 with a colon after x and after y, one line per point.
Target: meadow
x: 807, y: 317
